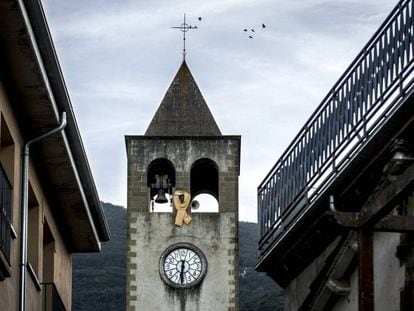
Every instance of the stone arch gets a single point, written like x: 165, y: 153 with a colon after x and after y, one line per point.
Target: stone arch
x: 160, y: 170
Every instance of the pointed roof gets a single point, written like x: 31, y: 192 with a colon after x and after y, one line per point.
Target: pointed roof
x: 183, y: 110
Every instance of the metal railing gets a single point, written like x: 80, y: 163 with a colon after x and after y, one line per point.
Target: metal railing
x: 51, y: 298
x: 367, y: 94
x: 5, y: 214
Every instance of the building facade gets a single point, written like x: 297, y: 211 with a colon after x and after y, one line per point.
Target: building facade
x: 336, y: 210
x: 64, y: 212
x: 182, y: 256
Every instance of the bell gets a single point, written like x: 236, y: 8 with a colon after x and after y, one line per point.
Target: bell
x: 161, y: 198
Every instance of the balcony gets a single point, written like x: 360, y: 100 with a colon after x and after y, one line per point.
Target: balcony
x: 357, y: 118
x: 51, y: 298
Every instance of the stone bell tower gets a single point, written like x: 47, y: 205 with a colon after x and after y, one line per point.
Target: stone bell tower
x: 183, y: 255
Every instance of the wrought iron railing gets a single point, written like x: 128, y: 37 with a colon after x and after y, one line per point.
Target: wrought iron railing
x: 5, y: 214
x: 367, y: 94
x: 51, y: 298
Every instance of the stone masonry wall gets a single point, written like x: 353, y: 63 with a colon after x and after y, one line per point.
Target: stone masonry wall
x: 149, y: 234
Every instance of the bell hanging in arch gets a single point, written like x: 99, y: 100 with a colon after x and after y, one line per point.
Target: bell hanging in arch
x: 161, y: 198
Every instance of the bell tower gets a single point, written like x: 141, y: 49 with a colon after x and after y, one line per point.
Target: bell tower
x: 183, y: 207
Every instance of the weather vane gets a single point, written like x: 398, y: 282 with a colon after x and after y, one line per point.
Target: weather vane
x: 184, y: 27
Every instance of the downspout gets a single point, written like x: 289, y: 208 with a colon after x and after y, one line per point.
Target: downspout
x: 24, y: 207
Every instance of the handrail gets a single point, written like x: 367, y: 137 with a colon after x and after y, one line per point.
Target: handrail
x: 364, y: 97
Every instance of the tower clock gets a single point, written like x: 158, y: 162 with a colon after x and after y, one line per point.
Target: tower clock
x: 183, y: 265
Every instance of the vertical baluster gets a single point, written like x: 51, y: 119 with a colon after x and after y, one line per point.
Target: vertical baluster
x: 382, y: 64
x: 330, y: 131
x: 364, y: 86
x: 325, y: 129
x: 272, y: 211
x: 339, y: 115
x: 322, y: 134
x: 341, y: 111
x: 314, y: 147
x: 286, y: 182
x: 311, y: 151
x: 403, y: 36
x: 289, y: 178
x: 375, y: 70
x: 395, y: 50
x: 282, y: 188
x: 400, y: 49
x: 337, y: 124
x: 294, y: 171
x: 348, y: 104
x: 358, y: 93
x: 331, y: 122
x: 407, y: 32
x: 371, y: 75
x: 391, y: 54
x: 270, y: 192
x: 305, y: 159
x: 387, y: 59
x: 302, y: 162
x: 268, y: 204
x: 259, y: 213
x: 318, y: 143
x: 412, y: 29
x: 275, y: 209
x: 278, y: 190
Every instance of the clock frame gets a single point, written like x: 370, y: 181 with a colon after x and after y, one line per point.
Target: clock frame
x: 182, y: 265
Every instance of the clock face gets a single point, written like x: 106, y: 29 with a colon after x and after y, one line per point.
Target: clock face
x: 183, y: 265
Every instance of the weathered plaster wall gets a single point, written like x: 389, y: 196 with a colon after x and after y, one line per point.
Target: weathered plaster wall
x: 149, y: 234
x: 10, y: 159
x: 297, y: 291
x: 214, y: 234
x: 389, y: 278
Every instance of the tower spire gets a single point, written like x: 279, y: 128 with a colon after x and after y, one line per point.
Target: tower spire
x: 183, y: 110
x: 184, y: 27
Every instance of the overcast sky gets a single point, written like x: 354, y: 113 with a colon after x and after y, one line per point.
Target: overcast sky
x: 119, y: 57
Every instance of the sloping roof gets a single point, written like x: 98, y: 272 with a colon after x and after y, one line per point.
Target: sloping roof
x: 183, y: 110
x: 31, y: 70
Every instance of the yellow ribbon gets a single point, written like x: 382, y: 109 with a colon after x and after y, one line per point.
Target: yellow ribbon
x: 181, y: 201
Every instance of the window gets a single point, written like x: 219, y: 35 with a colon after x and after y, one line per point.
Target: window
x: 204, y: 186
x: 34, y: 226
x: 5, y: 214
x: 48, y: 254
x: 160, y: 183
x: 6, y: 181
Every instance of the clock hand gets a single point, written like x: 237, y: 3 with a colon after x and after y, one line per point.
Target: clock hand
x: 182, y: 272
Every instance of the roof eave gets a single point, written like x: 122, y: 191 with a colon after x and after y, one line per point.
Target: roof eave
x: 36, y: 77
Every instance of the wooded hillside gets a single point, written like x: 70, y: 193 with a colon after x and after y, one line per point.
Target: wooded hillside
x: 99, y: 279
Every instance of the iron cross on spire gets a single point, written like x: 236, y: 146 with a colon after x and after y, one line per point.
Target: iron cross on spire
x: 184, y: 27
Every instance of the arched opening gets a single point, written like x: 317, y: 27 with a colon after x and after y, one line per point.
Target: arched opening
x: 160, y: 182
x: 204, y: 186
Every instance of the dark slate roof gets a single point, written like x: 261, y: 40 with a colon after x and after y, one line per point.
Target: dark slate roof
x: 183, y: 111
